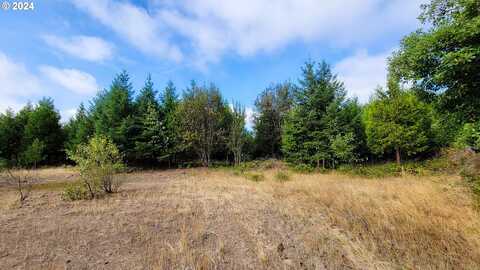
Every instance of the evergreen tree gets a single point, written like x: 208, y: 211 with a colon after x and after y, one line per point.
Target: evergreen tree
x: 150, y: 144
x: 169, y: 105
x: 314, y: 122
x: 34, y: 154
x: 43, y: 123
x: 79, y: 129
x: 396, y: 121
x: 272, y: 106
x: 147, y: 118
x: 147, y: 97
x: 10, y: 137
x: 113, y: 114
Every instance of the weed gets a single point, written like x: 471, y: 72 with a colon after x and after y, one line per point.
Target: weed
x: 255, y: 177
x: 282, y: 176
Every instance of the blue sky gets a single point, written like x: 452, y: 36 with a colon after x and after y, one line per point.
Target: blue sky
x: 70, y: 49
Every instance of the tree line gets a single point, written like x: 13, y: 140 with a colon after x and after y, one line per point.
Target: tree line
x: 431, y: 101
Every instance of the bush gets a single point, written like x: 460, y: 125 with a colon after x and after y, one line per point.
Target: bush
x: 438, y: 165
x: 469, y: 136
x: 303, y: 168
x: 98, y: 161
x: 282, y: 176
x: 374, y: 171
x: 75, y: 191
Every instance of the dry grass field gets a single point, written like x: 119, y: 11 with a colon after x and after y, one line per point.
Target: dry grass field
x: 215, y: 219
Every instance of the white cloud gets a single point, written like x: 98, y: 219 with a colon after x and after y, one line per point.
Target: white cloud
x: 85, y: 47
x: 16, y: 84
x: 67, y: 114
x: 132, y: 23
x: 362, y: 73
x: 74, y: 80
x: 208, y: 29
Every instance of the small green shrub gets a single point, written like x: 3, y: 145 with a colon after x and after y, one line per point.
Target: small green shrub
x: 282, y: 176
x: 75, y: 191
x: 373, y: 171
x: 98, y: 161
x: 255, y: 177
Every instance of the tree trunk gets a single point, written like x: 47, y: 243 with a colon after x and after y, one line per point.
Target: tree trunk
x: 397, y: 154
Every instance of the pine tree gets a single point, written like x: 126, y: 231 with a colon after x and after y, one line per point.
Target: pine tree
x: 272, y: 106
x: 169, y: 105
x: 147, y: 97
x: 43, y: 123
x: 150, y: 144
x: 79, y: 129
x: 10, y: 141
x: 113, y: 114
x: 311, y: 126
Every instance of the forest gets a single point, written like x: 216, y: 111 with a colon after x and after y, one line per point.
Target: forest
x: 431, y: 101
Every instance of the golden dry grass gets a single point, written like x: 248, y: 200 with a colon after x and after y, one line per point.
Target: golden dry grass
x: 210, y: 219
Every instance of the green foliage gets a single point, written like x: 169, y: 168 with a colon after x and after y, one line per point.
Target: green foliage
x: 75, y: 191
x: 343, y: 147
x: 321, y: 119
x: 10, y: 137
x: 79, y: 129
x: 204, y: 121
x: 43, y: 123
x: 272, y: 106
x: 169, y: 105
x: 237, y: 133
x: 255, y: 177
x: 282, y: 176
x: 442, y: 60
x: 98, y: 161
x: 445, y: 127
x: 397, y: 122
x: 302, y: 168
x: 147, y: 98
x: 149, y: 145
x: 469, y: 136
x: 32, y: 136
x: 113, y: 114
x: 435, y: 166
x: 33, y: 154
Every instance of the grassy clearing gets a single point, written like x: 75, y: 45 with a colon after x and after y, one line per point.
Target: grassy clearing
x: 214, y: 219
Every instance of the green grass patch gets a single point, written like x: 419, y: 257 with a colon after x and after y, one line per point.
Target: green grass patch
x: 282, y: 176
x: 255, y: 177
x: 422, y: 168
x: 302, y: 168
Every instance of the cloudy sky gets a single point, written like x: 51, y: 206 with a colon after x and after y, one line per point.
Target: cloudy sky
x: 70, y: 49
